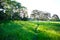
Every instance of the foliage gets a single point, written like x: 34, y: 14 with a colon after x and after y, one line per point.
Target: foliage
x: 11, y: 10
x: 23, y: 13
x: 55, y: 17
x: 40, y: 15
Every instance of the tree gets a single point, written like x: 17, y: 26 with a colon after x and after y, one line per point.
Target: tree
x: 10, y: 8
x: 2, y: 15
x: 47, y: 16
x: 23, y: 13
x: 35, y: 15
x: 40, y: 15
x: 55, y: 17
x: 14, y: 8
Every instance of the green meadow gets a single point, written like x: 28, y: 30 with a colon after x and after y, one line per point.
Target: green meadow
x: 25, y: 30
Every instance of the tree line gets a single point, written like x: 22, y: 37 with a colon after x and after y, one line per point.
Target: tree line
x: 12, y: 10
x: 44, y: 16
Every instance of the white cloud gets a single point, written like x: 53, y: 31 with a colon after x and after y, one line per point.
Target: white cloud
x: 52, y: 6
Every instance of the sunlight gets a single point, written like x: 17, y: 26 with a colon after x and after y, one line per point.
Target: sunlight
x: 52, y: 32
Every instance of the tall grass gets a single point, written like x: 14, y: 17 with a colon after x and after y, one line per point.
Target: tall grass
x: 25, y: 30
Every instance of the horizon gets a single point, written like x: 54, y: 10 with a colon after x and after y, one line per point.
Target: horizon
x: 51, y: 6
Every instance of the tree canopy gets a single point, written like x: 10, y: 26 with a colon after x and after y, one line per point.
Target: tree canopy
x: 10, y: 9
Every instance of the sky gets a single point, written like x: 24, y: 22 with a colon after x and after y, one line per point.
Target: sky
x: 51, y: 6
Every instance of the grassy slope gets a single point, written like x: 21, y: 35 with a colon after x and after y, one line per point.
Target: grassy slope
x: 24, y: 30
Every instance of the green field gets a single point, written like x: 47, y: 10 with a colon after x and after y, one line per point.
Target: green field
x: 25, y: 30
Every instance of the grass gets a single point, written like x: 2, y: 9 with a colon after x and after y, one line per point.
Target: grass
x: 25, y: 30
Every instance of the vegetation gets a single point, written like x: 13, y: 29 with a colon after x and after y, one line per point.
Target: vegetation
x: 14, y: 24
x: 55, y: 18
x: 11, y: 10
x: 25, y: 30
x: 43, y: 16
x: 40, y: 15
